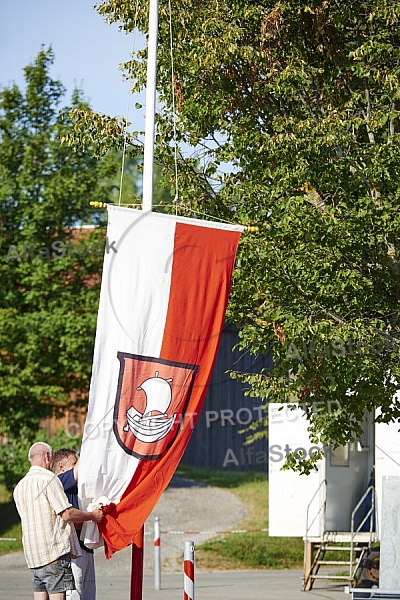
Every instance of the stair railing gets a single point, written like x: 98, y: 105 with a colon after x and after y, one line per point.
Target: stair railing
x: 321, y: 514
x: 370, y: 514
x: 321, y: 510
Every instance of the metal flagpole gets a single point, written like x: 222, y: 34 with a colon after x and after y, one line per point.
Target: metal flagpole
x: 157, y: 555
x: 137, y: 565
x: 148, y: 164
x: 147, y: 201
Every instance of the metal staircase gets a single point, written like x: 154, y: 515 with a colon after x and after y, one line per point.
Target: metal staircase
x: 355, y: 543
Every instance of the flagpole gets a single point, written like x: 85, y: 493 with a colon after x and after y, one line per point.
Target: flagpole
x: 147, y: 202
x: 137, y: 566
x: 148, y: 164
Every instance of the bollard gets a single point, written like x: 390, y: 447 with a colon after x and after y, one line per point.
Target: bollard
x: 157, y: 555
x: 188, y: 569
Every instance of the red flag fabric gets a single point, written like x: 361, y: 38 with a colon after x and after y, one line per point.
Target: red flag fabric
x: 164, y: 293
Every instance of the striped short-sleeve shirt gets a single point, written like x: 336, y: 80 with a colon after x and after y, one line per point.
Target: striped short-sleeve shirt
x: 40, y: 498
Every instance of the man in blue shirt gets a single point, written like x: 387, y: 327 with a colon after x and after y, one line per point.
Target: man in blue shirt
x: 65, y: 466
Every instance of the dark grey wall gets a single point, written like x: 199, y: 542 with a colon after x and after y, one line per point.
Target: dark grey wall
x: 216, y: 442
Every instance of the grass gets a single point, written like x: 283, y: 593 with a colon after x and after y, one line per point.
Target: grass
x: 254, y: 550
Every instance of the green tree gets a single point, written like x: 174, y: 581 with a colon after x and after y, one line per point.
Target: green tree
x: 49, y: 270
x: 299, y: 100
x: 128, y: 189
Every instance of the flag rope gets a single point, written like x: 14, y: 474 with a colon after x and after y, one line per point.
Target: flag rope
x: 264, y: 530
x: 127, y: 109
x: 248, y: 228
x: 171, y: 42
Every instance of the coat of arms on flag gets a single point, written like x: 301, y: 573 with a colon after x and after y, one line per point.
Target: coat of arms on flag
x: 151, y: 402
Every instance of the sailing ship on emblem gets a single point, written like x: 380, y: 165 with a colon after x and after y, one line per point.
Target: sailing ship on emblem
x: 154, y: 423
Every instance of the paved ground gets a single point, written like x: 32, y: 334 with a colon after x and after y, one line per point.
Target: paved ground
x: 15, y: 584
x: 184, y: 506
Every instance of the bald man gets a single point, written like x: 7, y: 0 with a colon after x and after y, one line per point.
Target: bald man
x: 48, y: 534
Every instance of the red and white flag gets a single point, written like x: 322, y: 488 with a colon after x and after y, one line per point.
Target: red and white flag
x: 164, y: 292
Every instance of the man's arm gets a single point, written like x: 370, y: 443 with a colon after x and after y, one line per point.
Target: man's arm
x: 74, y: 515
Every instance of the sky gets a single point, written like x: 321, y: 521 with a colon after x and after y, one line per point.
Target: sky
x: 87, y: 51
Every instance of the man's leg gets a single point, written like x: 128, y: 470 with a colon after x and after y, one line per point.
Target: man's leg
x: 54, y: 576
x: 77, y: 566
x: 45, y: 596
x: 89, y: 578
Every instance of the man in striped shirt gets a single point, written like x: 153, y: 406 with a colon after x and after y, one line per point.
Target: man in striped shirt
x: 48, y: 534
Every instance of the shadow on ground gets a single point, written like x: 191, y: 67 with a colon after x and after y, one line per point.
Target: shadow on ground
x: 182, y: 482
x: 8, y: 516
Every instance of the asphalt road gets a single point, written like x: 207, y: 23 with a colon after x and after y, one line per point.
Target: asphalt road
x: 220, y: 585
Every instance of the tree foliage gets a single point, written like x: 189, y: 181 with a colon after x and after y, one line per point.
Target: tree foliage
x: 49, y: 270
x: 294, y: 106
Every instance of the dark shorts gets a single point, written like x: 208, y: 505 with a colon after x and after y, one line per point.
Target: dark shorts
x: 55, y: 577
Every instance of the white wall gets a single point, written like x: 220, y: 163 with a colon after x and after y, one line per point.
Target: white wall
x: 289, y: 492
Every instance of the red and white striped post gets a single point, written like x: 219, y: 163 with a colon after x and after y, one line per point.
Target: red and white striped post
x: 157, y: 554
x: 188, y: 569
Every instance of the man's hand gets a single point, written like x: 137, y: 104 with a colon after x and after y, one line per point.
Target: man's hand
x: 74, y: 515
x: 97, y: 515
